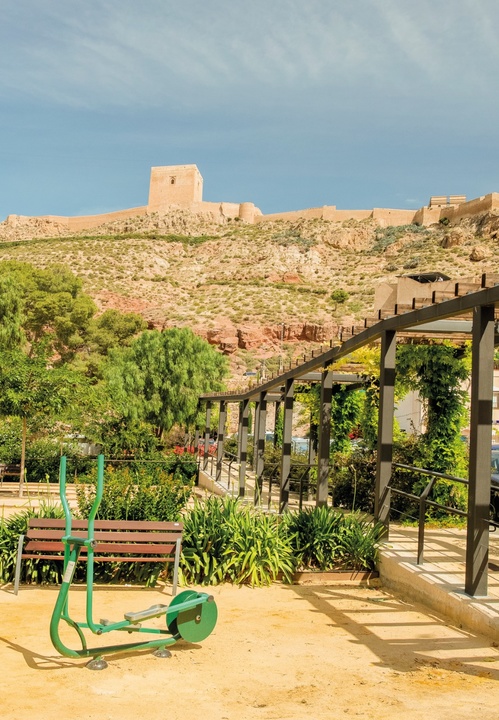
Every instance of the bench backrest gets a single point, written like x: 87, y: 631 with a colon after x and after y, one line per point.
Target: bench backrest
x: 148, y: 539
x: 9, y: 470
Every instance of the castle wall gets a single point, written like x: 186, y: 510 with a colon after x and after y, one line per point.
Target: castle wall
x: 83, y: 222
x: 331, y: 213
x: 427, y: 215
x: 384, y: 216
x: 181, y: 186
x: 483, y: 204
x: 309, y: 214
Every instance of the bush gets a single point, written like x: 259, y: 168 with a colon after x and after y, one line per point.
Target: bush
x: 43, y: 454
x: 225, y: 541
x: 135, y: 493
x: 39, y: 571
x: 326, y: 539
x: 314, y: 536
x: 353, y: 479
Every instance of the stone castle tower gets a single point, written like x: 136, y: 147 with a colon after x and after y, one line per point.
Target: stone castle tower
x: 180, y: 185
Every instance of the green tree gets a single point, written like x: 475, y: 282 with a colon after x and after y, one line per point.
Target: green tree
x: 52, y: 306
x: 30, y: 387
x: 437, y: 372
x: 160, y: 376
x: 112, y: 329
x: 11, y: 317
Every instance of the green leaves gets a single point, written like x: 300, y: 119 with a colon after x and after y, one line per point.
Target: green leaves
x: 136, y: 491
x: 226, y: 541
x: 160, y: 377
x: 327, y: 539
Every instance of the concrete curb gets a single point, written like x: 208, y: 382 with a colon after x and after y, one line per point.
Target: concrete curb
x: 440, y: 591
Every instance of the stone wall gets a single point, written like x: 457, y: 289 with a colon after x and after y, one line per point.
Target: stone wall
x: 181, y: 186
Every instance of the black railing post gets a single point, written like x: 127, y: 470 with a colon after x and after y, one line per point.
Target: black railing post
x: 260, y: 445
x: 422, y: 518
x: 222, y: 420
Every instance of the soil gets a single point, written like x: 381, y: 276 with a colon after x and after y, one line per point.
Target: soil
x: 284, y: 652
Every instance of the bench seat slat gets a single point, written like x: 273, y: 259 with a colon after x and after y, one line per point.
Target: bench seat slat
x: 105, y: 547
x: 104, y: 558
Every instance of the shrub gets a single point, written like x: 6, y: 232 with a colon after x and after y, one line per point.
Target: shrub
x: 359, y: 542
x: 326, y: 539
x: 134, y: 493
x: 40, y: 571
x: 314, y: 534
x: 225, y: 541
x: 353, y: 479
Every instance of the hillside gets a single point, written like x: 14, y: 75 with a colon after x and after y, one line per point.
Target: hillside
x: 246, y: 287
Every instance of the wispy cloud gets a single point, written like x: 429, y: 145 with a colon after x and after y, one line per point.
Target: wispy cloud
x: 111, y: 53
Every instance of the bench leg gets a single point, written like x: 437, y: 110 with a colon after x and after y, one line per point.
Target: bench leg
x: 175, y: 566
x: 18, y: 564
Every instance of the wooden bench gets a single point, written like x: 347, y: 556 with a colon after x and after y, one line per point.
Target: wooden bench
x: 9, y: 471
x: 116, y: 541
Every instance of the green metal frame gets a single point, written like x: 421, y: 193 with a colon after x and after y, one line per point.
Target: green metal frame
x: 190, y: 616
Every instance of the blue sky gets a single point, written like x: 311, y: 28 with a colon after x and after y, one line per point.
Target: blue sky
x: 288, y: 104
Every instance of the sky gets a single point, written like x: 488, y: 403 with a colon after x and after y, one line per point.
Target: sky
x: 288, y: 104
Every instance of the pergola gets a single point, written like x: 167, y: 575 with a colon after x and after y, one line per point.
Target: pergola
x: 468, y: 312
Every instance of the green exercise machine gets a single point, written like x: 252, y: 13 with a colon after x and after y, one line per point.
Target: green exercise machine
x: 190, y: 616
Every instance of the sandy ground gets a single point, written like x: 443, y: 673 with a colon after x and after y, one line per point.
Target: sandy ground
x: 287, y: 652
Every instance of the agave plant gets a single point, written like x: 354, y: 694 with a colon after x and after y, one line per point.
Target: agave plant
x: 225, y: 540
x: 260, y: 551
x: 314, y: 534
x: 359, y: 542
x: 326, y: 539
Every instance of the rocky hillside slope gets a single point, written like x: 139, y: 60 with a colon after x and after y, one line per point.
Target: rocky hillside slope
x: 255, y: 291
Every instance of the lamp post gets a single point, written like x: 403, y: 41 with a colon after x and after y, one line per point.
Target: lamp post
x: 281, y: 363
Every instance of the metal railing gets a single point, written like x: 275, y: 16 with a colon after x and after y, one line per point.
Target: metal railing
x: 424, y: 501
x: 271, y: 476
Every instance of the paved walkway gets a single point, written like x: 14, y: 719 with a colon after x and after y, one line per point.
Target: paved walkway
x: 439, y: 581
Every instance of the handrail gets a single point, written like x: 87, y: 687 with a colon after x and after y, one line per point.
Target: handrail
x: 424, y: 501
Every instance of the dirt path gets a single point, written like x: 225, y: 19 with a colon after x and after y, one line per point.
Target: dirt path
x: 297, y: 653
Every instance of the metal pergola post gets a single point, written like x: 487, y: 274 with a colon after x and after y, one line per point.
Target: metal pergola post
x: 260, y: 445
x: 482, y: 380
x: 222, y: 419
x: 324, y: 438
x: 385, y: 428
x: 239, y: 426
x: 243, y: 445
x: 289, y: 390
x: 256, y: 421
x: 207, y: 435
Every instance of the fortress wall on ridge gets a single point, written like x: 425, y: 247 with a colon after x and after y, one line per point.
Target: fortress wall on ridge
x: 181, y: 187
